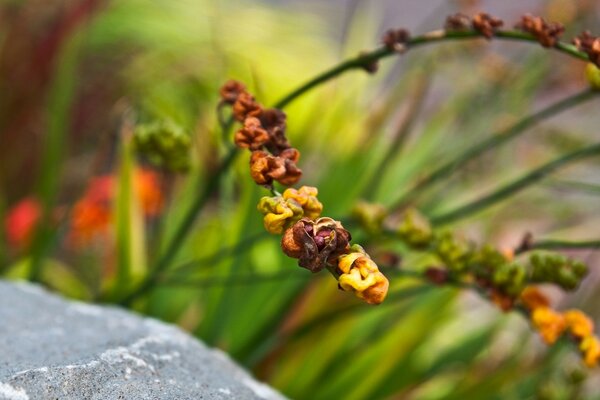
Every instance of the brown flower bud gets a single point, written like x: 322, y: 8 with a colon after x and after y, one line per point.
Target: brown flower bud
x: 315, y: 243
x: 546, y: 33
x: 589, y: 44
x: 252, y: 135
x: 457, y: 22
x: 245, y: 106
x: 264, y: 168
x: 396, y: 39
x: 231, y: 90
x: 437, y: 275
x: 486, y: 24
x: 274, y: 121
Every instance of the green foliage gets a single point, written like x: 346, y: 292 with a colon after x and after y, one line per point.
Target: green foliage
x: 224, y: 280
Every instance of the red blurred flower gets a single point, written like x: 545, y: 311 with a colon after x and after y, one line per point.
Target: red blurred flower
x: 21, y: 221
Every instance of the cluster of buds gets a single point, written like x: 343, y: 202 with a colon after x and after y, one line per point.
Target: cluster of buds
x: 263, y: 133
x: 281, y: 212
x: 324, y: 243
x: 552, y: 324
x: 590, y: 45
x: 396, y: 39
x: 317, y: 242
x: 164, y: 144
x: 481, y: 22
x: 493, y: 270
x: 547, y: 33
x: 557, y: 269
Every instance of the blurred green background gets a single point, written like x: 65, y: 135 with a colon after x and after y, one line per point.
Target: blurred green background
x: 70, y: 70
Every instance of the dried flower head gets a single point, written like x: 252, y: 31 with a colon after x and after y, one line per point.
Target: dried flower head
x: 274, y: 122
x: 396, y: 39
x: 231, y: 90
x: 547, y: 33
x: 252, y: 135
x: 279, y: 213
x: 264, y: 168
x: 457, y: 22
x: 315, y: 243
x: 306, y: 196
x: 245, y: 106
x: 486, y: 24
x: 590, y: 45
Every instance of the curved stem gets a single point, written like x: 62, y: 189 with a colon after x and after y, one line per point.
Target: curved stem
x: 494, y: 140
x: 515, y: 186
x: 560, y: 245
x: 363, y: 60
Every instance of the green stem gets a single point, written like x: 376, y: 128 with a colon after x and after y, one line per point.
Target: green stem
x: 182, y: 231
x: 561, y: 245
x: 515, y: 186
x: 363, y: 60
x: 494, y: 140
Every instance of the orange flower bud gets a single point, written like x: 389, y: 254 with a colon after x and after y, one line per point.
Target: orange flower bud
x: 245, y: 106
x: 580, y: 325
x: 231, y: 90
x: 550, y: 324
x: 252, y: 135
x: 532, y: 298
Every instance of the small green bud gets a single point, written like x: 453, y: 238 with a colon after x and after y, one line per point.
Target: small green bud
x: 164, y: 144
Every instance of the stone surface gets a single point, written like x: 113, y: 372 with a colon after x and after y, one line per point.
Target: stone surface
x: 51, y: 348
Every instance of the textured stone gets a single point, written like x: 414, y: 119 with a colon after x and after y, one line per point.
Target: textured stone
x: 51, y: 348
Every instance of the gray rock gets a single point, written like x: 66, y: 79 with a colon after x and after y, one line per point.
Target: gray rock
x: 51, y: 348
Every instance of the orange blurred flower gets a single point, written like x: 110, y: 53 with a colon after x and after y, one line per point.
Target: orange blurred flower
x: 147, y: 185
x: 20, y: 222
x: 550, y: 324
x: 92, y: 214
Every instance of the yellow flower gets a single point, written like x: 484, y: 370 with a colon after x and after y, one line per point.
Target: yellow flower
x: 361, y: 276
x: 549, y: 323
x: 306, y: 196
x: 279, y: 213
x: 580, y: 325
x: 532, y: 298
x: 590, y: 347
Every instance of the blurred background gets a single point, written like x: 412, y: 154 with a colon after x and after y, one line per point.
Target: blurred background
x: 76, y: 76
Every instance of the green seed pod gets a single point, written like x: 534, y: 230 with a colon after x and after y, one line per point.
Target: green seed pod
x: 415, y: 229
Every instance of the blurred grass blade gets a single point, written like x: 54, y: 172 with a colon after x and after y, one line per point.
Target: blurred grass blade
x: 515, y: 186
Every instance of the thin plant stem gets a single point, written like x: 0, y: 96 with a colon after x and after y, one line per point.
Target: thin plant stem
x: 494, y: 140
x: 515, y: 186
x: 560, y: 245
x: 359, y: 62
x: 365, y: 59
x: 183, y: 229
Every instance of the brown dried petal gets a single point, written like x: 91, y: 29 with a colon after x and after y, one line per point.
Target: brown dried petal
x: 245, y: 106
x: 546, y: 33
x: 486, y: 24
x: 265, y: 167
x: 589, y: 44
x: 457, y: 22
x: 315, y: 243
x: 231, y: 90
x: 396, y: 39
x: 252, y: 135
x: 274, y: 121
